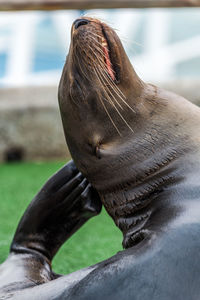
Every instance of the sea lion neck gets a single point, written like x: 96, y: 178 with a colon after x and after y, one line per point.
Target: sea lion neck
x: 140, y: 200
x: 125, y: 136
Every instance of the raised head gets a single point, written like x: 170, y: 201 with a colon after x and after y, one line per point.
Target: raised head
x: 124, y: 135
x: 99, y: 94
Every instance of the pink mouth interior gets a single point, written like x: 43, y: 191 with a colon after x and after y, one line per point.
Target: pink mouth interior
x: 107, y: 59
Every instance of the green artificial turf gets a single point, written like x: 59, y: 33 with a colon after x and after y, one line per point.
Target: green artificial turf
x: 98, y: 239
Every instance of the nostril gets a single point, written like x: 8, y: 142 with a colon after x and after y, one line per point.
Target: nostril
x: 80, y: 22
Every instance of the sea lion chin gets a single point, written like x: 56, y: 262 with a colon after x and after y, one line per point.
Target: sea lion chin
x: 124, y: 135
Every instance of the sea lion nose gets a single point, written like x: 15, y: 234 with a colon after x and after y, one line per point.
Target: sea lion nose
x: 80, y: 22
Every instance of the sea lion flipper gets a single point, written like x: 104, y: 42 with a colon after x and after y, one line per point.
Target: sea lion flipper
x: 58, y: 210
x: 55, y: 213
x: 90, y: 201
x: 61, y: 177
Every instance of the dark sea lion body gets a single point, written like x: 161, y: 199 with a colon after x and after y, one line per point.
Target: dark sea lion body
x: 143, y: 158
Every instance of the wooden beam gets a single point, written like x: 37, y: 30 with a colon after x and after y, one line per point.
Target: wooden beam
x: 10, y: 5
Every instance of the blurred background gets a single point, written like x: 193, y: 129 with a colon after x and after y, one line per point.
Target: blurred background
x: 164, y: 47
x: 163, y: 44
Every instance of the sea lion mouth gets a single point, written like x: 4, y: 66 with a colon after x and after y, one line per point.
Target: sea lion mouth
x: 97, y: 63
x: 94, y: 44
x: 109, y: 59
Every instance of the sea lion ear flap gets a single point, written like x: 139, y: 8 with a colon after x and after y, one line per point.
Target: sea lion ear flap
x: 91, y: 203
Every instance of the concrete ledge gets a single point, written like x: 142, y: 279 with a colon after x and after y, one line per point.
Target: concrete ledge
x: 9, y: 5
x: 30, y: 123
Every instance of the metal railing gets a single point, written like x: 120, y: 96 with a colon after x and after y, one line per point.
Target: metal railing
x: 10, y: 5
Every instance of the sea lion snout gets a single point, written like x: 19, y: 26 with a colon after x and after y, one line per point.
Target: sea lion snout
x: 79, y: 22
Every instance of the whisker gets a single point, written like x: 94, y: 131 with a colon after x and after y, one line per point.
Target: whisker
x: 100, y: 73
x: 122, y: 117
x: 103, y: 104
x: 93, y: 60
x: 116, y: 90
x: 77, y: 60
x: 107, y: 92
x: 111, y: 83
x: 96, y: 35
x: 97, y: 42
x: 99, y: 57
x: 101, y: 51
x: 110, y: 78
x: 125, y: 39
x: 115, y: 87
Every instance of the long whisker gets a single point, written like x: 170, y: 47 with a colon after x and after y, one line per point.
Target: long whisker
x: 117, y: 90
x: 100, y: 50
x: 105, y: 57
x: 112, y: 92
x: 96, y: 35
x: 93, y: 37
x: 111, y: 83
x: 108, y: 91
x: 108, y: 96
x: 103, y: 68
x: 110, y: 117
x: 78, y: 61
x: 122, y: 117
x: 115, y: 86
x: 103, y: 104
x: 99, y: 57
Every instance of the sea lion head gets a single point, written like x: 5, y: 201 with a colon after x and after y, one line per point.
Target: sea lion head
x: 96, y: 60
x: 115, y: 128
x: 99, y: 95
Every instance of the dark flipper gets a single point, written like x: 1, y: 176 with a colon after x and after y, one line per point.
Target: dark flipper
x: 60, y: 208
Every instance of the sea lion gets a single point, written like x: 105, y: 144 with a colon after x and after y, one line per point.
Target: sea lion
x: 135, y: 138
x: 138, y: 146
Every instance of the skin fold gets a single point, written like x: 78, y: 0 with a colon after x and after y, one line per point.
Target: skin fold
x: 139, y: 147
